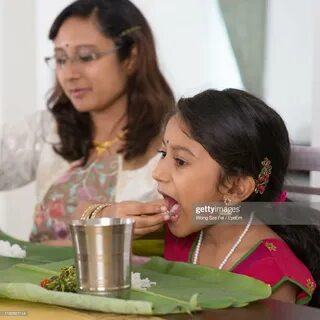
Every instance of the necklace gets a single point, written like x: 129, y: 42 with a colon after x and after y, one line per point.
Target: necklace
x: 104, y: 146
x: 232, y: 250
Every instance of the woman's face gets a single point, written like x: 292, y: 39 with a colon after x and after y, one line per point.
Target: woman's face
x: 186, y: 175
x: 91, y: 85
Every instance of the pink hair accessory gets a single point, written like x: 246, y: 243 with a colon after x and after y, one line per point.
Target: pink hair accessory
x: 264, y: 175
x: 282, y: 197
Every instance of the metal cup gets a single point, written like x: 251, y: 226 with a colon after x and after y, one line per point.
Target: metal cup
x: 103, y: 256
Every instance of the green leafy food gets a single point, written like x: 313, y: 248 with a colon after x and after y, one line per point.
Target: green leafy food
x: 66, y: 281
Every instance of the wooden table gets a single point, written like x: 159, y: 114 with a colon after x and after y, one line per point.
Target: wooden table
x: 41, y: 311
x: 266, y: 310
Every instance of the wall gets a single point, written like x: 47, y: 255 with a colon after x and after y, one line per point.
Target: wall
x: 289, y: 64
x: 315, y: 127
x: 2, y: 202
x: 17, y: 98
x: 192, y: 42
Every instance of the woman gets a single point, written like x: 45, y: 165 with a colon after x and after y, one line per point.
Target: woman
x: 99, y: 140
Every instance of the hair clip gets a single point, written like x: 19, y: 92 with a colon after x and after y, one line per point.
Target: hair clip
x: 128, y: 31
x: 263, y: 178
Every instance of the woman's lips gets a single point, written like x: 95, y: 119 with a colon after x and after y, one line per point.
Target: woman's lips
x: 79, y: 93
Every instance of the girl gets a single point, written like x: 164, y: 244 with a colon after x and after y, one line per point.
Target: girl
x: 228, y: 146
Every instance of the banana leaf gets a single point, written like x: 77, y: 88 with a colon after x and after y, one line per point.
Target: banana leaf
x: 180, y: 288
x: 36, y: 253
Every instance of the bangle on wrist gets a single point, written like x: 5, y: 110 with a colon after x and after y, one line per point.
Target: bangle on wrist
x: 92, y: 211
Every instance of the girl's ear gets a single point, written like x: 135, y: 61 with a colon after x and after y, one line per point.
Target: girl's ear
x: 240, y: 188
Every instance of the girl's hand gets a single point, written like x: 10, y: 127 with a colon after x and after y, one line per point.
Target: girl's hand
x: 148, y: 217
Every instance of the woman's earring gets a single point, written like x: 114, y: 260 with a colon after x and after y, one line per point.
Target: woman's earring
x: 227, y: 201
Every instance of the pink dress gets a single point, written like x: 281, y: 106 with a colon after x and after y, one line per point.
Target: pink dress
x: 270, y: 260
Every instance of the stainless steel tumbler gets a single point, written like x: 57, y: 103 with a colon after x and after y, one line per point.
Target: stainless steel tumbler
x: 103, y: 256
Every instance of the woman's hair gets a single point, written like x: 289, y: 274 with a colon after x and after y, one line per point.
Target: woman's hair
x: 149, y: 95
x: 239, y: 130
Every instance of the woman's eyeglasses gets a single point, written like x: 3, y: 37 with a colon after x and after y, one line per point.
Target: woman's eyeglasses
x: 60, y: 60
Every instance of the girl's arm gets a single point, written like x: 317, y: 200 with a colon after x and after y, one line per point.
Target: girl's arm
x: 286, y: 293
x: 149, y: 216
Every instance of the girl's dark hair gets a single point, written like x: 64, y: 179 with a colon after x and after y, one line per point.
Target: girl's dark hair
x: 149, y: 95
x: 239, y: 130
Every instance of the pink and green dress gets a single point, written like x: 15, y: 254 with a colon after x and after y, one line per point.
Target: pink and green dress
x: 270, y: 260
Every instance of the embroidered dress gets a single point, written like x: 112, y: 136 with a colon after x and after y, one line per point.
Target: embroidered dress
x: 94, y: 182
x: 270, y: 260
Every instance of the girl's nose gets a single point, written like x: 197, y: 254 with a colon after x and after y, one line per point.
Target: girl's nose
x: 161, y: 172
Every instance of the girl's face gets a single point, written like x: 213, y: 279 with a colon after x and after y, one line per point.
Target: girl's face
x: 92, y: 85
x: 186, y: 175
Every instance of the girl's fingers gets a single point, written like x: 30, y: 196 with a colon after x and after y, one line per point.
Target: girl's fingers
x: 149, y: 221
x: 159, y: 202
x: 136, y: 208
x: 133, y: 209
x: 148, y: 208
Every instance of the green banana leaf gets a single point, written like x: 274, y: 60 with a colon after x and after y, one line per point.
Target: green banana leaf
x: 36, y: 253
x: 180, y: 287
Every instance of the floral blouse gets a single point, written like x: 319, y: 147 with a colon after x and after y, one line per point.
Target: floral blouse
x: 94, y: 182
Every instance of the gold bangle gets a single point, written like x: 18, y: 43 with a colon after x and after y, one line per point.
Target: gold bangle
x: 88, y: 212
x: 99, y: 209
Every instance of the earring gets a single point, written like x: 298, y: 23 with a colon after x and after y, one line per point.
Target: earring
x: 227, y: 201
x: 129, y: 70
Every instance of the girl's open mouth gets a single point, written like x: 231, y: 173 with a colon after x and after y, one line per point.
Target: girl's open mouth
x: 173, y: 207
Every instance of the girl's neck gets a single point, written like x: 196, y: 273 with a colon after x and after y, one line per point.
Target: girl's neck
x: 109, y: 122
x: 222, y: 235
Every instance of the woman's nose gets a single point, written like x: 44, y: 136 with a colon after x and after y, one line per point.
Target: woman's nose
x: 70, y: 71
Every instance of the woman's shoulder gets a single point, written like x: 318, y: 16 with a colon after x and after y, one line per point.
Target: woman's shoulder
x: 42, y: 116
x: 42, y: 122
x: 273, y: 262
x: 33, y: 121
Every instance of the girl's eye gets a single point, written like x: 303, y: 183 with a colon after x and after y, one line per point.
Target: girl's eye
x: 163, y: 153
x: 179, y: 162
